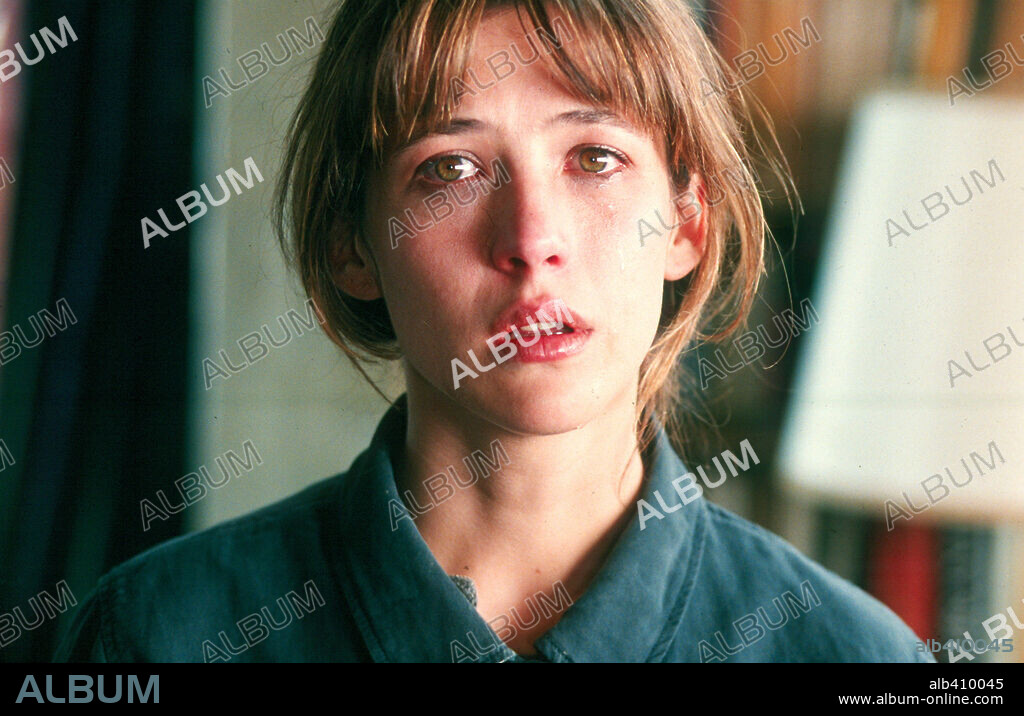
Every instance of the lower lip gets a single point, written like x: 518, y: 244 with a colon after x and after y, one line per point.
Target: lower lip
x: 550, y: 348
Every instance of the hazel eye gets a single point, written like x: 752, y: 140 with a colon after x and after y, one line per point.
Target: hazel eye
x: 599, y: 160
x: 593, y: 160
x: 451, y: 168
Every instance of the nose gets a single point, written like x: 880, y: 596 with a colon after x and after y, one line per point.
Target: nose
x: 530, y: 233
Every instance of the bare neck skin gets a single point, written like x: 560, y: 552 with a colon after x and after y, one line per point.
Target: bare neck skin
x: 550, y: 516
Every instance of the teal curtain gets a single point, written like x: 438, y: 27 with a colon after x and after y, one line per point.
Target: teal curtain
x: 94, y: 415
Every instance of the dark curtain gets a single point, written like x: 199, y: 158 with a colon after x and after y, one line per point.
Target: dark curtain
x: 95, y: 415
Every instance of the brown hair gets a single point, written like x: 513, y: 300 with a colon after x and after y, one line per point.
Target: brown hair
x: 384, y: 76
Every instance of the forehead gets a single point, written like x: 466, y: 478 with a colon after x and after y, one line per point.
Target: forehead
x: 502, y: 27
x: 510, y: 70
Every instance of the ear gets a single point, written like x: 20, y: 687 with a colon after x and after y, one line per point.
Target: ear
x: 689, y: 241
x: 352, y: 266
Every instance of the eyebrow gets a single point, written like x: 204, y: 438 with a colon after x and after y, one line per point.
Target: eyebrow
x: 468, y: 125
x: 592, y: 116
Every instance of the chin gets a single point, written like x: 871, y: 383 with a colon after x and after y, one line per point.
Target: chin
x: 544, y: 405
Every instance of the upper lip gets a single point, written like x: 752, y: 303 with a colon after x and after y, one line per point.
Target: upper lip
x: 522, y: 313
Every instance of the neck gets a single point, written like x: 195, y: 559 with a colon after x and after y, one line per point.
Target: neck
x: 543, y: 509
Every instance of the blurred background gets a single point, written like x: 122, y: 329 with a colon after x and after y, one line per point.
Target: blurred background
x: 122, y: 373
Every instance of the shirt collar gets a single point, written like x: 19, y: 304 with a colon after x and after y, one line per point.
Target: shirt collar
x: 408, y: 609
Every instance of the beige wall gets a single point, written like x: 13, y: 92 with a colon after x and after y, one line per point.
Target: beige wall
x: 306, y: 411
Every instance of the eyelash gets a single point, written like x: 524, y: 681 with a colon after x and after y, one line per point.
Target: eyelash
x: 431, y: 164
x: 622, y: 159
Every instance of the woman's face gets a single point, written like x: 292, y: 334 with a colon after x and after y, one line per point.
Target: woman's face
x: 537, y: 198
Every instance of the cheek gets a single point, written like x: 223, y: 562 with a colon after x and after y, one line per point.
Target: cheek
x: 416, y: 288
x: 412, y: 265
x: 430, y: 290
x: 609, y: 238
x: 626, y: 278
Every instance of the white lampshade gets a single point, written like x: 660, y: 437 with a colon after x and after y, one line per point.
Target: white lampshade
x: 873, y: 413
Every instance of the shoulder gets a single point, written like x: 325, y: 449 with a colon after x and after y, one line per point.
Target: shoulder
x: 184, y: 592
x: 289, y: 527
x: 762, y: 595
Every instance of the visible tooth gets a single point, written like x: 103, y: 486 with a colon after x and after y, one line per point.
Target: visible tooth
x: 547, y: 326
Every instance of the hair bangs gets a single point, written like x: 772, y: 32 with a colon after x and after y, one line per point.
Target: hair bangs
x: 603, y: 55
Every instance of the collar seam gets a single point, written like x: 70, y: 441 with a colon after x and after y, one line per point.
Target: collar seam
x: 341, y: 567
x: 556, y: 647
x: 675, y: 618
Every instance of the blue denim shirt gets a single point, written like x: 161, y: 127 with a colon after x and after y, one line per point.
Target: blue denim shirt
x: 322, y: 576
